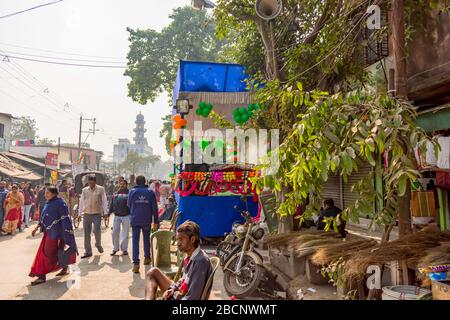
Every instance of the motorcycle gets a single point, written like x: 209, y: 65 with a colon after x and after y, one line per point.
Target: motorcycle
x: 243, y: 267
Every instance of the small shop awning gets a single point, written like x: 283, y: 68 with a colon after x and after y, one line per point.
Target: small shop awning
x: 21, y: 157
x: 12, y: 169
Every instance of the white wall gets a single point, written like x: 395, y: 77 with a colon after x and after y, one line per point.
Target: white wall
x: 39, y: 152
x: 6, y: 121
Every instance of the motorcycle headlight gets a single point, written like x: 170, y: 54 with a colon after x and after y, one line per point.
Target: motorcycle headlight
x: 257, y: 233
x: 241, y: 231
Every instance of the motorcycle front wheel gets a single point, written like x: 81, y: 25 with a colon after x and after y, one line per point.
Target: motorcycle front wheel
x: 246, y: 282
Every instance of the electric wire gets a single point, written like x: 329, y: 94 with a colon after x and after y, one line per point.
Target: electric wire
x: 30, y: 9
x: 44, y: 88
x: 60, y: 58
x: 335, y: 48
x: 32, y: 89
x: 66, y: 63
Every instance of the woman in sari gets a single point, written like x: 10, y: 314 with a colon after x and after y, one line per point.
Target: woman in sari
x: 58, y: 249
x: 13, y: 210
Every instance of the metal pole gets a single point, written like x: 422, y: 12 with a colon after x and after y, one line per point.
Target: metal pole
x: 79, y: 136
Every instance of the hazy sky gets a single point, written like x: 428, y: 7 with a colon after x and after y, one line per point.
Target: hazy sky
x: 86, y: 27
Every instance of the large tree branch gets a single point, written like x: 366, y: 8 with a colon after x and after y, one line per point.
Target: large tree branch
x: 320, y: 24
x: 339, y: 7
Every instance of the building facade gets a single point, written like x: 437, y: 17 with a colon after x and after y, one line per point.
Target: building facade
x: 68, y: 156
x: 5, y: 131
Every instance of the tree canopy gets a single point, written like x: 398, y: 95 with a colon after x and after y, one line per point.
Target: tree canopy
x: 24, y: 128
x: 153, y: 57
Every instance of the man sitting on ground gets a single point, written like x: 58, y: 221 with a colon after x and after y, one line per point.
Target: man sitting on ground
x: 197, y: 269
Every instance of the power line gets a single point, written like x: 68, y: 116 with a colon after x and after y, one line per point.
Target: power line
x: 33, y: 89
x: 43, y: 87
x: 29, y: 9
x: 67, y: 64
x: 46, y: 89
x: 58, y: 58
x: 31, y: 108
x: 60, y: 52
x: 40, y: 112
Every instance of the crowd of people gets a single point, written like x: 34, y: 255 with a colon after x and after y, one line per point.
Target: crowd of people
x: 138, y: 209
x: 20, y: 203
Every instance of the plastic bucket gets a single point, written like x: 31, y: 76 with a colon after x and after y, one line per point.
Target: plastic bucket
x: 403, y: 292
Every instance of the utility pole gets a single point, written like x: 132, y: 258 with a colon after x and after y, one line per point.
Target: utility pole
x: 401, y: 92
x: 59, y: 151
x: 79, y: 135
x: 92, y: 131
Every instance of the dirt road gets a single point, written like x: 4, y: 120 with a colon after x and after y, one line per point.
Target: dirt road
x: 100, y: 277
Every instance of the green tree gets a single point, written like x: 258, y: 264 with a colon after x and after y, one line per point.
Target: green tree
x: 319, y: 43
x: 24, y: 128
x: 75, y: 145
x: 132, y: 162
x: 334, y: 135
x: 166, y: 132
x: 46, y: 141
x: 153, y: 57
x: 152, y: 160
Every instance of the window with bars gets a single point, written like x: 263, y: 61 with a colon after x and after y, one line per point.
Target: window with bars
x: 2, y: 130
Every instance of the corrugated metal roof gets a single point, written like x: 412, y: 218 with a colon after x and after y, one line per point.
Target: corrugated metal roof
x: 22, y: 157
x: 12, y: 169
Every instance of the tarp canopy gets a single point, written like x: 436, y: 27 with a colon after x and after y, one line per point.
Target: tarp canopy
x: 196, y: 76
x: 12, y: 169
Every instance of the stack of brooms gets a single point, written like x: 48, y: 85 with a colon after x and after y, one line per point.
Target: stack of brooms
x: 412, y: 249
x: 429, y: 246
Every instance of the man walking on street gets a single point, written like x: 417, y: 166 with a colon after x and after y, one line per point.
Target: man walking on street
x: 64, y: 192
x: 119, y: 206
x: 41, y: 200
x: 93, y: 206
x: 29, y: 198
x: 143, y: 209
x: 3, y: 194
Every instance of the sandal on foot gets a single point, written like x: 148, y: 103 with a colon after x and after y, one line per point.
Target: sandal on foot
x: 62, y: 273
x: 38, y: 281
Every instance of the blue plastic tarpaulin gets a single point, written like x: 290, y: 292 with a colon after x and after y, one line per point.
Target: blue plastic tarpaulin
x: 214, y: 215
x: 196, y: 76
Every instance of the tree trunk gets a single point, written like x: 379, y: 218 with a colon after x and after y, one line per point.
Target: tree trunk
x: 267, y: 36
x: 401, y: 92
x: 399, y: 46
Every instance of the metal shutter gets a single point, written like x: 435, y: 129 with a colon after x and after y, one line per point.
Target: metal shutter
x: 351, y: 197
x: 332, y: 189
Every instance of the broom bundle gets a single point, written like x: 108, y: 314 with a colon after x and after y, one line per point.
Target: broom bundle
x: 292, y: 238
x: 333, y: 252
x: 436, y: 256
x: 411, y: 248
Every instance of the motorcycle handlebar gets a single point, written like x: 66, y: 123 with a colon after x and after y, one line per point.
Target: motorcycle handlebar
x: 243, y: 213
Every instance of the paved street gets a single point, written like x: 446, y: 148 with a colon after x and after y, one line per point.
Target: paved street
x: 102, y: 277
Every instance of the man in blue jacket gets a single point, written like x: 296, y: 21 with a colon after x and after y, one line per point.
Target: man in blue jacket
x: 144, y: 218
